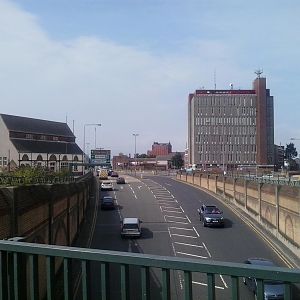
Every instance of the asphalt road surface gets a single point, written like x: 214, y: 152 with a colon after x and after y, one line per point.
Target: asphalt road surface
x: 171, y: 227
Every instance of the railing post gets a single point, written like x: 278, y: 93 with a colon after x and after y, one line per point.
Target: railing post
x: 259, y: 199
x: 211, y: 286
x: 166, y: 295
x: 3, y: 275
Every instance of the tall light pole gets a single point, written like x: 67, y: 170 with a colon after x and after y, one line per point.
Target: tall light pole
x: 94, y: 124
x: 135, y: 135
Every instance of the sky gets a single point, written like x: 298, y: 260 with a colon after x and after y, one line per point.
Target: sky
x: 130, y: 64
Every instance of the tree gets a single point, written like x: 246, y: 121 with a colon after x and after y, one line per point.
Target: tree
x: 290, y: 151
x: 177, y: 160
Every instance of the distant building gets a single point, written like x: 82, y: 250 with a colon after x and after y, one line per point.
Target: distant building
x: 279, y: 156
x: 121, y: 161
x: 160, y: 149
x: 37, y: 143
x: 228, y: 128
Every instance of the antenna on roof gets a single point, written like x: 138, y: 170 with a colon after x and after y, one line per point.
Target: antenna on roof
x: 258, y: 72
x: 215, y: 79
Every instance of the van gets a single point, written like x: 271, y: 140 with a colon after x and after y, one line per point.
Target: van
x: 131, y: 227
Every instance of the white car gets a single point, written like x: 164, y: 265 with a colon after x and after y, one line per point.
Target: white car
x: 106, y: 186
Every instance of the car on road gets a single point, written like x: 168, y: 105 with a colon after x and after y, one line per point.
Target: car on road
x: 131, y: 227
x: 272, y: 289
x: 120, y: 180
x: 211, y: 215
x: 107, y: 202
x: 114, y: 174
x: 106, y: 186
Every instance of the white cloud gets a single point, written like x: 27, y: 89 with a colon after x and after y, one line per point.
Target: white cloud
x: 95, y: 80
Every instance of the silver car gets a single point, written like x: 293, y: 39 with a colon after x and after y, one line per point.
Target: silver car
x: 131, y: 227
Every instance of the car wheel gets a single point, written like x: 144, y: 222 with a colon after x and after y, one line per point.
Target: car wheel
x: 204, y: 224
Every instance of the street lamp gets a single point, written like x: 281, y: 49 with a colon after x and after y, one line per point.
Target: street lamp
x: 95, y: 124
x: 135, y: 135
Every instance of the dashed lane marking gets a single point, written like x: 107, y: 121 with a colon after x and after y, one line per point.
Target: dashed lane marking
x: 196, y: 231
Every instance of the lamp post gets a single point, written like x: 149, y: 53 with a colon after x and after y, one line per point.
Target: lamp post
x: 83, y: 160
x: 94, y: 124
x: 135, y: 135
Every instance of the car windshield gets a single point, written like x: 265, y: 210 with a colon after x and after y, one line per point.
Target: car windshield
x: 130, y: 226
x: 212, y: 210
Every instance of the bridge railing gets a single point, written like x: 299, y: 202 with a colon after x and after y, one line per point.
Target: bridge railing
x: 14, y: 256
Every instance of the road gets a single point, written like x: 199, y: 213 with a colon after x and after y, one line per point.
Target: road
x: 171, y: 227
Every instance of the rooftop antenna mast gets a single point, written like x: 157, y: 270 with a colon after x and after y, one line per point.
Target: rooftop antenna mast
x: 258, y: 72
x: 215, y: 79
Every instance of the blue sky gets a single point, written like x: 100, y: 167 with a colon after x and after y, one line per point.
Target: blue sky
x: 130, y: 64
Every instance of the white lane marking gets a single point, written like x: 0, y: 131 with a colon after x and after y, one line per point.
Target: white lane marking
x: 170, y: 211
x: 118, y: 209
x: 168, y: 184
x: 164, y: 197
x: 193, y: 255
x: 177, y: 222
x: 206, y: 249
x: 205, y: 284
x: 181, y: 228
x: 196, y: 231
x: 182, y: 208
x: 175, y: 217
x: 140, y: 186
x: 170, y: 237
x: 154, y: 196
x: 171, y: 207
x: 224, y: 281
x: 188, y: 236
x: 121, y: 188
x: 190, y: 245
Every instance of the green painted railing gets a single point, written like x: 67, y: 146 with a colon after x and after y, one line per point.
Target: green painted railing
x: 15, y: 257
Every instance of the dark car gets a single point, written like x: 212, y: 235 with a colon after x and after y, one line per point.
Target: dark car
x: 211, y: 215
x: 272, y: 289
x: 114, y: 174
x: 121, y: 180
x: 107, y: 202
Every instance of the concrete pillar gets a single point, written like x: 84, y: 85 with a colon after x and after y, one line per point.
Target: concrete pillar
x: 259, y: 199
x: 245, y: 192
x: 277, y: 190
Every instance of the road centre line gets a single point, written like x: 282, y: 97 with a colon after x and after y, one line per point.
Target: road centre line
x: 196, y: 231
x: 193, y: 255
x: 206, y: 249
x: 181, y: 228
x: 190, y: 245
x: 205, y: 284
x: 188, y: 236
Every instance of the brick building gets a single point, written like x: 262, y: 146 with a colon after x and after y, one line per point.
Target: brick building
x: 160, y: 149
x: 231, y: 127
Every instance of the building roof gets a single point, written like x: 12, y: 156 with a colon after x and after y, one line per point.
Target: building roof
x: 32, y: 146
x: 30, y: 125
